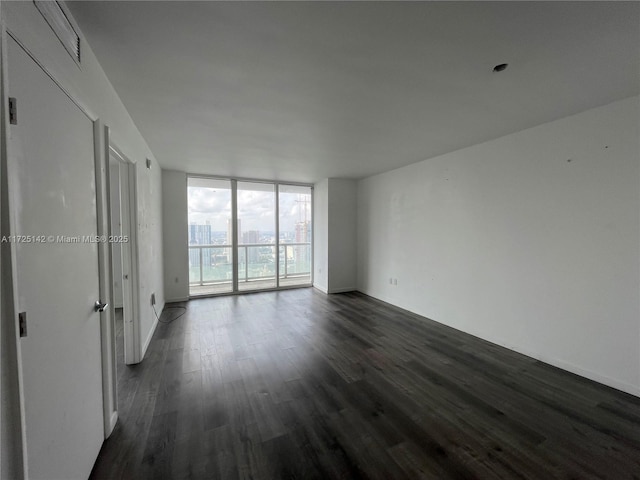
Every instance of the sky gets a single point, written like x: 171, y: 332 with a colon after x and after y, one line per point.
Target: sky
x: 256, y: 209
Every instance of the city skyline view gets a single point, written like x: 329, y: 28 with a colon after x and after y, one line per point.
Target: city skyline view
x: 212, y: 206
x: 214, y: 248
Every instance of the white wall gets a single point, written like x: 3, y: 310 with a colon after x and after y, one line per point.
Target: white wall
x: 321, y: 235
x: 89, y: 85
x: 530, y: 241
x: 335, y: 231
x: 150, y: 275
x: 342, y: 235
x: 176, y: 236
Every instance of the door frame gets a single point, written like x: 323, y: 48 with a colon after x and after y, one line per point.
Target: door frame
x: 128, y: 207
x: 105, y: 148
x: 107, y: 324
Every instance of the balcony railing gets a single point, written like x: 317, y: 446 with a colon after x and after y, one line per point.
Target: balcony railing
x: 213, y: 264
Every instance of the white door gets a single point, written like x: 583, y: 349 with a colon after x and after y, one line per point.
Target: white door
x: 54, y: 196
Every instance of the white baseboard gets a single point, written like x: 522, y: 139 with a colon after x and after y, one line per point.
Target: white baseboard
x: 342, y: 290
x: 596, y: 377
x: 328, y: 291
x: 112, y: 423
x: 152, y: 330
x: 323, y: 289
x: 563, y: 365
x: 174, y: 300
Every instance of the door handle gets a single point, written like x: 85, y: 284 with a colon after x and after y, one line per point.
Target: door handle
x: 99, y: 307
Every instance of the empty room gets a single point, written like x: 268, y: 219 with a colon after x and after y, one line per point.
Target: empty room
x: 319, y: 240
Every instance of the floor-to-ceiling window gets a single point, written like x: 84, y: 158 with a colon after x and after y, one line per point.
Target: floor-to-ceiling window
x: 294, y: 220
x: 256, y: 226
x: 248, y: 235
x: 210, y: 242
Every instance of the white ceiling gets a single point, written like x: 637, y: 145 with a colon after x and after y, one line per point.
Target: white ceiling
x: 302, y: 91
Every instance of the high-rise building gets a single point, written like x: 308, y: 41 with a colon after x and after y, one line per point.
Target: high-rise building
x: 302, y: 232
x: 248, y: 238
x: 302, y: 252
x: 252, y: 236
x: 200, y: 234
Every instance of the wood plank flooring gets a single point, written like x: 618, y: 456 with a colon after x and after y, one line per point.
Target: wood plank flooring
x: 300, y: 385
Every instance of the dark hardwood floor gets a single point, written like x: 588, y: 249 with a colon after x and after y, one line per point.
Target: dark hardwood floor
x: 299, y: 385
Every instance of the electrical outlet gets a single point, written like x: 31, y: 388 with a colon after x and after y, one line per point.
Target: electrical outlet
x: 395, y: 281
x: 390, y: 281
x: 153, y: 299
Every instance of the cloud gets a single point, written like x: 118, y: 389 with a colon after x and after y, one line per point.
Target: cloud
x: 256, y: 209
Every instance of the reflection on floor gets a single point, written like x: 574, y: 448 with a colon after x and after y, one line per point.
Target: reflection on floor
x: 218, y: 288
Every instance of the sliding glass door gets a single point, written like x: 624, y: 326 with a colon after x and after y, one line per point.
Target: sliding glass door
x: 256, y: 226
x: 210, y: 243
x: 248, y: 235
x: 294, y: 215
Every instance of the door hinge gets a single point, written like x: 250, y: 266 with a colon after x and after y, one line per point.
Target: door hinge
x: 22, y: 323
x: 13, y: 111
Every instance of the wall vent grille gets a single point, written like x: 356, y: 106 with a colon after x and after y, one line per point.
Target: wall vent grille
x: 57, y: 19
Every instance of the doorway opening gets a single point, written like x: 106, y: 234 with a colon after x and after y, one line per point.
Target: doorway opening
x: 122, y: 233
x: 247, y: 236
